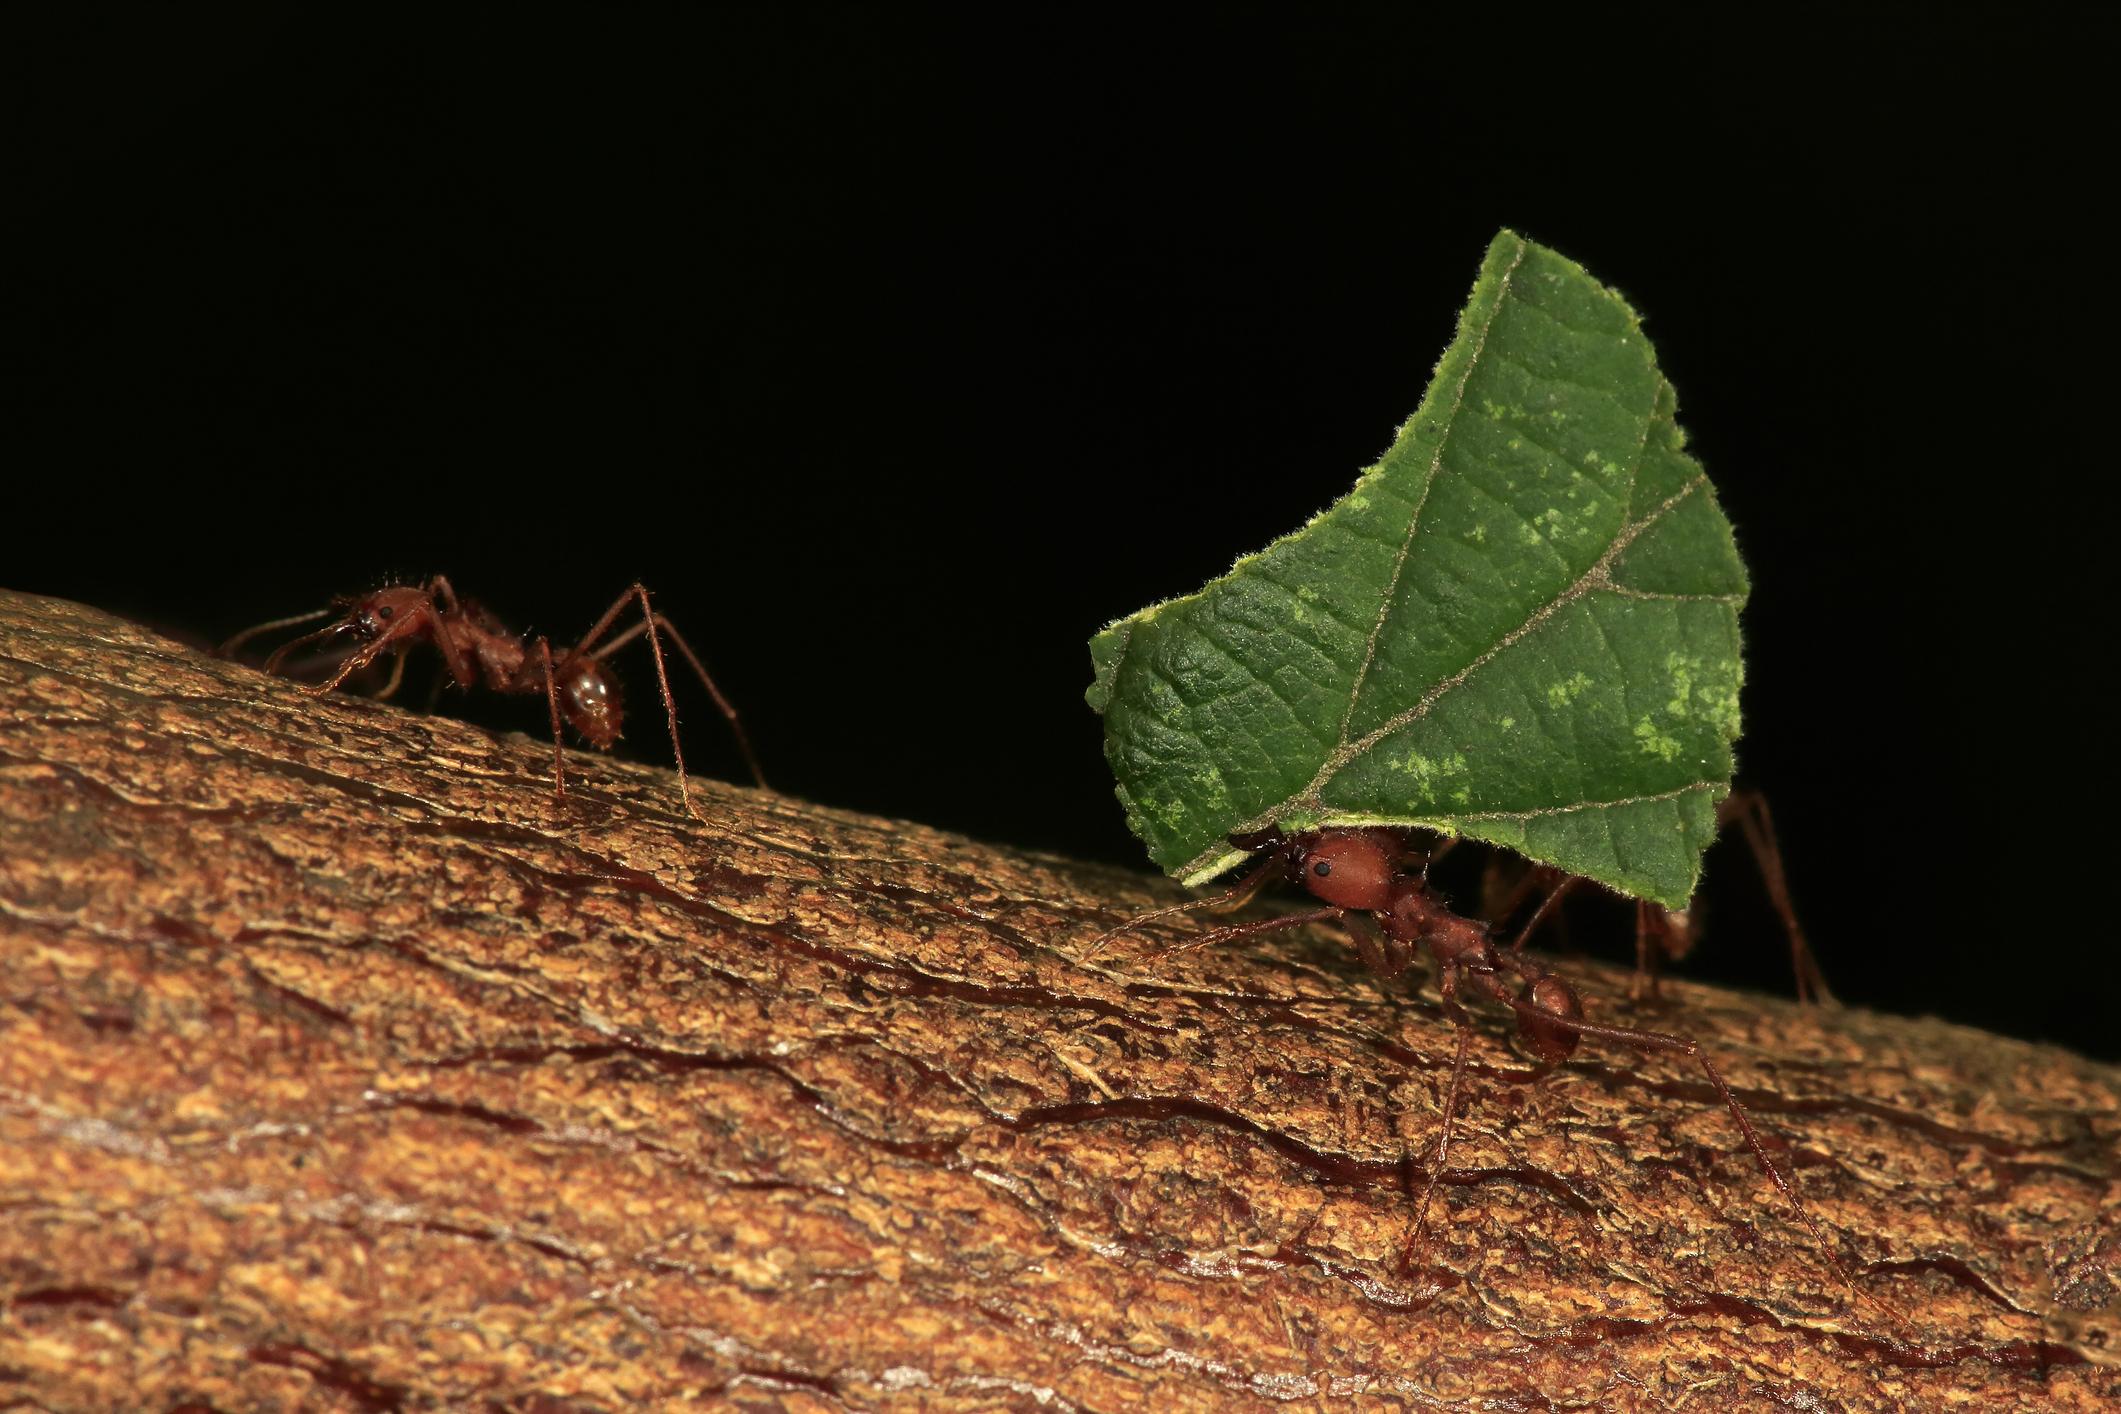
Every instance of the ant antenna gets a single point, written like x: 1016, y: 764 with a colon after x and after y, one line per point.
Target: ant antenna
x: 1237, y: 896
x: 279, y: 655
x: 228, y: 649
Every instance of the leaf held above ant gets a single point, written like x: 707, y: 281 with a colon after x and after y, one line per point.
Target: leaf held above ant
x: 1521, y: 624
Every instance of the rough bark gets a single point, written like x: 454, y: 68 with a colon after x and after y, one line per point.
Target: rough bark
x: 343, y: 1067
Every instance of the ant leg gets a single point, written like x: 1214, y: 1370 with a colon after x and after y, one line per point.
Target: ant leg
x: 228, y: 649
x: 1643, y: 985
x: 552, y: 703
x: 1450, y: 1115
x: 651, y: 621
x: 728, y: 708
x: 353, y: 664
x: 1539, y: 914
x: 1528, y: 1010
x: 1750, y: 809
x: 397, y: 679
x: 1235, y: 897
x: 1496, y: 903
x: 1380, y: 953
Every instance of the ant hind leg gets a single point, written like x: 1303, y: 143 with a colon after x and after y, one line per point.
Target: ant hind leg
x: 1532, y: 1013
x: 1757, y: 823
x: 552, y: 703
x: 655, y: 625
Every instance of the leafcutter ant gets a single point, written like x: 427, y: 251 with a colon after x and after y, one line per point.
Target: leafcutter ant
x: 1374, y: 883
x: 478, y: 649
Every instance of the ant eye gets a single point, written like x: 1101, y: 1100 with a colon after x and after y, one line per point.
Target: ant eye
x: 1323, y: 868
x: 384, y: 611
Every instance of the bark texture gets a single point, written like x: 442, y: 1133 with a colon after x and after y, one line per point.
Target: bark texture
x: 342, y: 1067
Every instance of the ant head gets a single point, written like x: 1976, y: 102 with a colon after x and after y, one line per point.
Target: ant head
x: 589, y: 699
x: 384, y: 613
x: 1549, y: 1038
x: 1348, y: 868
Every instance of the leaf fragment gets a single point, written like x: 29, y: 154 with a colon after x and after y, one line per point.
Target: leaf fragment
x: 1521, y: 625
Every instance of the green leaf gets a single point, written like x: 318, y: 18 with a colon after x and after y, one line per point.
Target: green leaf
x: 1520, y: 626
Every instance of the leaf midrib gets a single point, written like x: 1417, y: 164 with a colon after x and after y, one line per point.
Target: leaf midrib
x: 1406, y: 544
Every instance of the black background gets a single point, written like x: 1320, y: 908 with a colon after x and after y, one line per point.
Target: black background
x: 898, y: 355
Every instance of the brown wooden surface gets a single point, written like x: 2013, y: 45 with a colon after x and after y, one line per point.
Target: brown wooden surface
x: 343, y: 1068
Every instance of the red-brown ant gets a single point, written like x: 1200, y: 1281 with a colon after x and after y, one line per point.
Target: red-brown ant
x: 477, y: 648
x: 1390, y: 914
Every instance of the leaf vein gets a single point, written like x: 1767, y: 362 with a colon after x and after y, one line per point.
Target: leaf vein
x: 1595, y: 578
x: 1406, y: 544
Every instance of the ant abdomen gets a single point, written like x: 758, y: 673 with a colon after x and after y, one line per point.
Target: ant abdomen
x: 590, y: 700
x: 1550, y: 1038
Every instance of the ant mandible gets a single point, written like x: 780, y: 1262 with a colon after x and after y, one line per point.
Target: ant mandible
x: 1359, y: 875
x: 478, y: 648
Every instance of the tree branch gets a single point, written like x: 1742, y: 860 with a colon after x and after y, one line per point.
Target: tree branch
x: 342, y: 1067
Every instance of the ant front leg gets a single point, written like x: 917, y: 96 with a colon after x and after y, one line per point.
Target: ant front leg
x: 1546, y: 906
x: 397, y: 679
x: 1383, y: 954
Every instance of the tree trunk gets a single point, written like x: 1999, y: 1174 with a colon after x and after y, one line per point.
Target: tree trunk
x: 343, y: 1067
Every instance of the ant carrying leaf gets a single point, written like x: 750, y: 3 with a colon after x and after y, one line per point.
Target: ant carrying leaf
x: 478, y: 650
x: 1391, y: 914
x: 1519, y: 627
